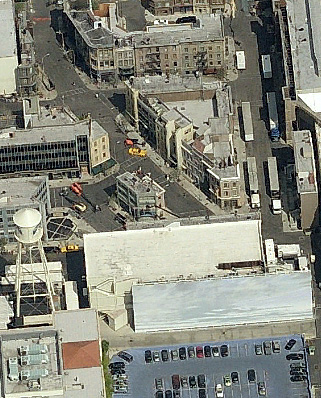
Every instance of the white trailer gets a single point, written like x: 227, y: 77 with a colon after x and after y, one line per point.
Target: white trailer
x: 266, y: 66
x: 240, y: 60
x: 247, y: 121
x: 253, y: 183
x: 270, y: 252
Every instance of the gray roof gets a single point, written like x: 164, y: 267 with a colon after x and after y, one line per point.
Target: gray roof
x: 139, y: 184
x: 97, y: 38
x: 11, y: 136
x: 304, y: 161
x: 8, y: 47
x: 19, y: 191
x: 163, y: 84
x: 223, y: 302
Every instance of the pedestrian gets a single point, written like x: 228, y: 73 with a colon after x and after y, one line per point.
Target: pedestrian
x: 73, y: 83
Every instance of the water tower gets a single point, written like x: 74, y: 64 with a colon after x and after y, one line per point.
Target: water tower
x: 28, y: 233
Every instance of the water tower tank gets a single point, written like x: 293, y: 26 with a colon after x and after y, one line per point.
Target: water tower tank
x: 28, y: 226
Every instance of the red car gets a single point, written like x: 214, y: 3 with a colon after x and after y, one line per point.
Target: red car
x: 199, y: 352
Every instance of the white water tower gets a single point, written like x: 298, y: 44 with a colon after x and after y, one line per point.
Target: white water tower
x: 28, y: 233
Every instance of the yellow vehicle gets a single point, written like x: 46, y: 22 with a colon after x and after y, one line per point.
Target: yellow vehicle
x: 69, y: 248
x: 137, y: 152
x: 79, y: 207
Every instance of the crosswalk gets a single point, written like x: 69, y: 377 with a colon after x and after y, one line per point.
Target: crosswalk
x: 71, y: 93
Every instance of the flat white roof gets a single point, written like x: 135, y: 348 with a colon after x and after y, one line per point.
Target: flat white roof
x: 223, y: 302
x: 150, y: 254
x: 8, y: 47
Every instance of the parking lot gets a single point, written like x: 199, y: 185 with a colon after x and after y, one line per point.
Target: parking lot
x: 227, y: 370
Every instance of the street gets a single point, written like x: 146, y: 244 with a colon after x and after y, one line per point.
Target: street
x: 73, y: 92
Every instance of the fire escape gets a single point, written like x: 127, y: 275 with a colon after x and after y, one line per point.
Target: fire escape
x: 153, y: 64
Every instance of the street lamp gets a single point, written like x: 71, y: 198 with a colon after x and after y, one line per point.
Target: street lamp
x: 42, y: 64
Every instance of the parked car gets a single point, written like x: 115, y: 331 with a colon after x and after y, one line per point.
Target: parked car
x: 276, y: 346
x: 290, y: 344
x: 164, y: 355
x: 69, y: 249
x: 227, y: 381
x: 191, y: 352
x: 207, y: 351
x: 258, y: 349
x: 116, y: 365
x: 215, y: 351
x: 124, y: 355
x: 219, y: 391
x: 251, y: 375
x: 182, y: 353
x: 201, y: 393
x: 159, y: 384
x: 192, y: 382
x: 175, y: 382
x: 184, y: 382
x: 267, y: 347
x: 199, y: 352
x: 298, y: 372
x: 159, y: 394
x: 297, y: 378
x: 235, y: 377
x: 148, y: 356
x: 294, y: 357
x: 261, y: 388
x: 174, y: 355
x: 176, y: 394
x: 224, y: 350
x: 201, y: 381
x: 156, y: 356
x: 168, y: 394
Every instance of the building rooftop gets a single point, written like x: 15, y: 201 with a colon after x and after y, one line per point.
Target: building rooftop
x: 304, y: 162
x: 171, y: 251
x: 13, y: 136
x: 97, y: 38
x: 8, y: 46
x: 223, y: 302
x: 162, y: 84
x: 81, y: 354
x: 86, y: 319
x: 140, y: 184
x: 305, y: 38
x: 19, y: 191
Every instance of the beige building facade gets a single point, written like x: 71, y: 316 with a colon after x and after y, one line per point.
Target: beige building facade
x: 170, y: 7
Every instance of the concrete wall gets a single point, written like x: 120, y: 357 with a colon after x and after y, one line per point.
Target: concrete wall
x: 8, y: 67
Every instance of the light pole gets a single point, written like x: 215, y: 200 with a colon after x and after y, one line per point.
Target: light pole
x: 42, y: 64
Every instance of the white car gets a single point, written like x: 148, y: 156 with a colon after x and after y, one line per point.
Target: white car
x: 219, y: 391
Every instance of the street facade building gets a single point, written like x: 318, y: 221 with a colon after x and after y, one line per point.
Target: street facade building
x: 140, y: 196
x: 69, y: 150
x: 300, y: 31
x: 190, y: 124
x: 20, y: 193
x: 8, y: 48
x: 165, y: 7
x: 111, y: 54
x: 306, y: 179
x: 26, y: 71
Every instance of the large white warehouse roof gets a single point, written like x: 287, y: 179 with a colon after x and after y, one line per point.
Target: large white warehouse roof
x: 150, y: 254
x: 223, y: 302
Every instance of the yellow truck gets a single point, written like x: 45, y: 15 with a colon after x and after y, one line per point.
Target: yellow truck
x: 69, y: 248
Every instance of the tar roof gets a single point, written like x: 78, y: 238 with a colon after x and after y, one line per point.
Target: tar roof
x: 170, y: 251
x: 81, y: 354
x: 8, y: 47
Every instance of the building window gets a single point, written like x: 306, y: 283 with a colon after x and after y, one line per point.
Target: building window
x: 226, y: 193
x: 225, y: 185
x: 95, y: 143
x: 186, y: 49
x: 175, y: 63
x: 104, y: 154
